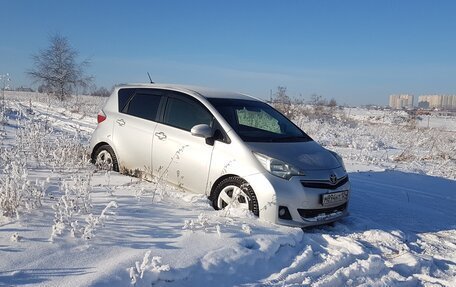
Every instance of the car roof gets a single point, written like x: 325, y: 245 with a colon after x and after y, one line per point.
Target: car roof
x: 202, y: 91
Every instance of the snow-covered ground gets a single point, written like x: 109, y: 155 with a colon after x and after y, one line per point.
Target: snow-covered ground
x: 446, y: 123
x: 83, y: 227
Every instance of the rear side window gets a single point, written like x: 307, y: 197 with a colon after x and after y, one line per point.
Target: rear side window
x: 144, y: 106
x: 123, y: 95
x: 185, y: 114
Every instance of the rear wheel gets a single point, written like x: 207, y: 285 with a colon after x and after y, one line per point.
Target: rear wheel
x: 234, y: 192
x: 105, y: 158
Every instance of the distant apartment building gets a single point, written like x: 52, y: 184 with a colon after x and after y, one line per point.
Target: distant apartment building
x: 401, y: 101
x: 444, y: 102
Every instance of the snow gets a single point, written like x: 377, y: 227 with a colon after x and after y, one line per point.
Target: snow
x: 401, y: 229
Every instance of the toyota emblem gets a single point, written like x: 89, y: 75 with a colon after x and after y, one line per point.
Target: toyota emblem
x: 333, y: 178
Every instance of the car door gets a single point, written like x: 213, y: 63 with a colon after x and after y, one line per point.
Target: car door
x: 178, y: 156
x: 133, y: 131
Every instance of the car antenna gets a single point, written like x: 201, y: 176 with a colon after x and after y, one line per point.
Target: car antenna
x: 150, y: 78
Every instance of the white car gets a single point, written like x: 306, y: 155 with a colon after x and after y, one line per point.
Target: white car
x: 236, y: 149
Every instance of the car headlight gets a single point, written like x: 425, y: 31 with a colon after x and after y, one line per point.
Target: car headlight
x: 339, y: 159
x: 277, y: 167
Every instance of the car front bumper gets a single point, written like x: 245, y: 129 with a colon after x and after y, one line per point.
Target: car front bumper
x: 301, y: 196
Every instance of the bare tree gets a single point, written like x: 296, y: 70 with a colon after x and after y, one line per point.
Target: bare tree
x: 56, y: 68
x: 281, y: 100
x: 317, y: 100
x: 281, y: 95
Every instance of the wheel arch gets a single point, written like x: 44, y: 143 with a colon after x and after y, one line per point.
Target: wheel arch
x: 92, y: 154
x: 220, y: 179
x: 229, y: 180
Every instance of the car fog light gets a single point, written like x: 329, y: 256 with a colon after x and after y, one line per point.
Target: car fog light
x: 284, y: 213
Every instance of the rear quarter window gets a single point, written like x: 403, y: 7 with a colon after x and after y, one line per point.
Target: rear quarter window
x: 123, y: 96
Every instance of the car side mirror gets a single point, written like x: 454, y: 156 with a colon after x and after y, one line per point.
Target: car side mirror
x: 202, y: 131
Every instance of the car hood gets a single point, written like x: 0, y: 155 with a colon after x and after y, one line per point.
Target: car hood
x: 302, y: 155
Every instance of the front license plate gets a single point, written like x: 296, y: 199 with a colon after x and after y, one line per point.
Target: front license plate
x: 331, y: 198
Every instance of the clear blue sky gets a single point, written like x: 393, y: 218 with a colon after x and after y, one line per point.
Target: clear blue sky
x: 357, y: 52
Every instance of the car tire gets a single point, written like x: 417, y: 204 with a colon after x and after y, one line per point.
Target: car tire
x: 105, y: 158
x: 236, y: 191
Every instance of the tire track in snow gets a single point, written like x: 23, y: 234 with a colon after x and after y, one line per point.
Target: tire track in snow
x: 371, y: 247
x: 59, y: 117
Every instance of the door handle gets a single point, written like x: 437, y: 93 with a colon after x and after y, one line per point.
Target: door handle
x: 121, y: 122
x: 160, y: 135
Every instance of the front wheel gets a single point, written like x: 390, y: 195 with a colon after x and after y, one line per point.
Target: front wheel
x: 105, y: 158
x: 234, y: 192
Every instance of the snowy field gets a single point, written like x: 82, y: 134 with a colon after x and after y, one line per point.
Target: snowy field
x: 64, y: 223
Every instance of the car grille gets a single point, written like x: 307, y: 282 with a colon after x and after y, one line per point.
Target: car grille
x: 324, y: 184
x: 309, y: 213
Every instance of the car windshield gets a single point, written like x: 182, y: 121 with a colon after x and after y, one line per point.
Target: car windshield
x: 255, y: 121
